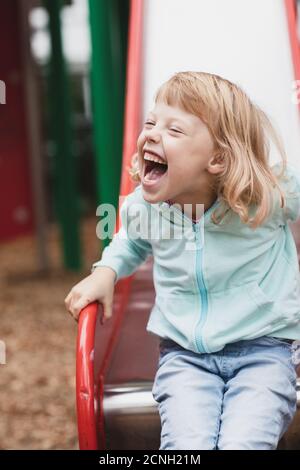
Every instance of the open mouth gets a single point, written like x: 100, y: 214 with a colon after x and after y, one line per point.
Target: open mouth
x: 153, y: 171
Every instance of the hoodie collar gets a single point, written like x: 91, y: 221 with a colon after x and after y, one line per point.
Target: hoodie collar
x: 166, y: 208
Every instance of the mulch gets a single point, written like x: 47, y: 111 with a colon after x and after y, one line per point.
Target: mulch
x: 37, y: 383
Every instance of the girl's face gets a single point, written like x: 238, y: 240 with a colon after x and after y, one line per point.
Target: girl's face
x: 184, y: 147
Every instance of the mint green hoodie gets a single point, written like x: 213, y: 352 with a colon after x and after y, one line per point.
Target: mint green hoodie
x: 214, y: 284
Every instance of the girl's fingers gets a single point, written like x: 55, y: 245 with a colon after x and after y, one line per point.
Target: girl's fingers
x: 105, y: 311
x: 67, y: 300
x: 80, y: 304
x: 107, y: 305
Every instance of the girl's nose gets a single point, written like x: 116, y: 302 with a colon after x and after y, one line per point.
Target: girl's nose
x: 152, y: 135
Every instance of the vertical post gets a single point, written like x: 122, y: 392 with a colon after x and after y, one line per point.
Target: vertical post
x: 65, y: 174
x: 33, y: 118
x: 108, y: 88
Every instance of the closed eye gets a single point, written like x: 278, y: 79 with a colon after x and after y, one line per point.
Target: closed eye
x: 171, y: 128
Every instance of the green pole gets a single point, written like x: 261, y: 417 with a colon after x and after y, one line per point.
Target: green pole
x: 64, y: 169
x: 108, y: 90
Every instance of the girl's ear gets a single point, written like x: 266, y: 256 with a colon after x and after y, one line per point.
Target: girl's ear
x: 216, y: 164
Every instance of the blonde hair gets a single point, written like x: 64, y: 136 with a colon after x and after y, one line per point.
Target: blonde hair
x: 240, y: 131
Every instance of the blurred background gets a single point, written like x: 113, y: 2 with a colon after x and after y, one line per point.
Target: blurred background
x: 62, y: 94
x: 62, y: 71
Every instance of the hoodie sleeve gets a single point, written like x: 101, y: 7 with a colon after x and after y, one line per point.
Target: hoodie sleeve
x: 125, y: 253
x: 290, y: 184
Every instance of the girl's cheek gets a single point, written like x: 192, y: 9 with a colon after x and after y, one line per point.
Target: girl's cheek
x: 141, y: 143
x: 141, y: 137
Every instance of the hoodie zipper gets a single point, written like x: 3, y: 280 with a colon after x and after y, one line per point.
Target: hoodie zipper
x: 201, y: 286
x: 199, y: 274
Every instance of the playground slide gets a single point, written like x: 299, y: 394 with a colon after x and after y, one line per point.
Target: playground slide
x: 252, y: 43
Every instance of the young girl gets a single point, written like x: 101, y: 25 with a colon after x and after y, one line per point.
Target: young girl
x: 226, y: 272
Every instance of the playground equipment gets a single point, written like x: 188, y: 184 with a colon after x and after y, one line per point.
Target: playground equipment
x: 116, y: 363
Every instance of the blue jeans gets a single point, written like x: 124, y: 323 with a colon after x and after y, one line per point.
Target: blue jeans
x: 242, y: 397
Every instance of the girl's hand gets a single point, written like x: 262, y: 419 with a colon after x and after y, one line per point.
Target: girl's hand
x: 98, y: 286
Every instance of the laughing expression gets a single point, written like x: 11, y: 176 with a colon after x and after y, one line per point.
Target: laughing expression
x: 175, y: 149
